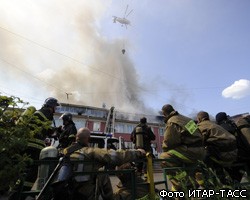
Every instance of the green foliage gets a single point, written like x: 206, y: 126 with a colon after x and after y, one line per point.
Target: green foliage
x: 212, y: 181
x: 14, y: 140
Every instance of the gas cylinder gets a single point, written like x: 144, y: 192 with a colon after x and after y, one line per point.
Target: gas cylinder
x: 139, y: 137
x: 44, y: 170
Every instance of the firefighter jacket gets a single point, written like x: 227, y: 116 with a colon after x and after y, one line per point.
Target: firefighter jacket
x: 36, y: 144
x: 67, y: 134
x: 182, y: 138
x: 44, y: 115
x: 95, y: 159
x: 220, y: 144
x: 243, y: 125
x: 229, y: 125
x: 242, y: 142
x: 147, y: 136
x: 103, y: 157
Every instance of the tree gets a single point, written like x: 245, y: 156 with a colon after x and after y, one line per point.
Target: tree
x: 14, y: 140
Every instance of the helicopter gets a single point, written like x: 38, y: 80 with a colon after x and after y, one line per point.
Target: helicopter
x: 124, y: 20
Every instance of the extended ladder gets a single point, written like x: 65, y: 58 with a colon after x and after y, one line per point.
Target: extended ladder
x: 110, y: 123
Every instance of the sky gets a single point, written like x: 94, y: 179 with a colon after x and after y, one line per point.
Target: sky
x: 189, y: 53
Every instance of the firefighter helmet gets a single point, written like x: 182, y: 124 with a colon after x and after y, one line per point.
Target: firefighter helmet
x: 51, y: 102
x: 220, y: 117
x: 167, y: 109
x: 66, y: 116
x: 202, y: 115
x: 143, y: 120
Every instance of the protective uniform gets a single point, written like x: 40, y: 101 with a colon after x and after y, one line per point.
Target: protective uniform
x: 243, y: 125
x: 223, y: 120
x: 147, y: 135
x: 45, y: 114
x: 241, y: 131
x: 68, y: 131
x: 36, y: 144
x: 183, y: 139
x: 91, y: 185
x: 221, y: 144
x: 141, y: 136
x: 182, y: 143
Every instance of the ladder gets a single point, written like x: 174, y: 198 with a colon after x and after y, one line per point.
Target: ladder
x: 110, y: 123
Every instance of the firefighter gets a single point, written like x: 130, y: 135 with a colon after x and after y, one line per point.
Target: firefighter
x: 224, y: 121
x: 46, y: 114
x: 240, y: 129
x: 68, y: 131
x: 182, y: 144
x: 40, y: 120
x: 48, y: 109
x: 141, y: 136
x: 220, y: 144
x: 243, y: 124
x: 35, y: 145
x: 92, y: 185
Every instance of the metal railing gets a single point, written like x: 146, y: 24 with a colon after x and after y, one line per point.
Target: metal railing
x: 150, y: 175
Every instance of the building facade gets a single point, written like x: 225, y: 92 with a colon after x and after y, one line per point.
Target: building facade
x: 96, y: 119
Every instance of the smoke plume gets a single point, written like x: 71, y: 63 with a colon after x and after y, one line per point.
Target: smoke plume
x: 60, y: 49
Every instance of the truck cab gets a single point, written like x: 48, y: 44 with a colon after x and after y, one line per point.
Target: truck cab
x: 107, y: 141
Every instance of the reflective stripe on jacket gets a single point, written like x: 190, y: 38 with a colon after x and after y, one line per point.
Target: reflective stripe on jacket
x: 183, y: 138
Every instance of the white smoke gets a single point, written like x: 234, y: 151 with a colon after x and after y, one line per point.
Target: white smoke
x: 60, y: 44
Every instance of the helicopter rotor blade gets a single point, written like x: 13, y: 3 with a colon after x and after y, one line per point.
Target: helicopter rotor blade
x: 129, y: 13
x: 126, y: 11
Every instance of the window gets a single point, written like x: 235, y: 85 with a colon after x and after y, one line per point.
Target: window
x: 79, y: 123
x: 161, y: 131
x: 96, y: 113
x: 119, y: 128
x: 129, y: 128
x: 123, y: 128
x: 97, y: 126
x: 63, y: 109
